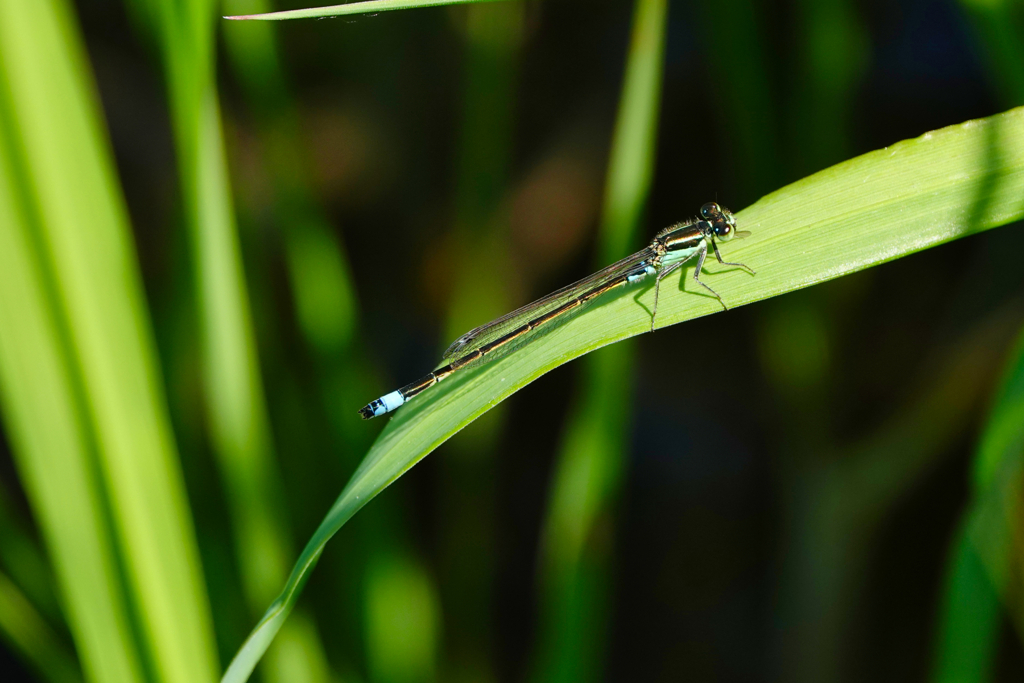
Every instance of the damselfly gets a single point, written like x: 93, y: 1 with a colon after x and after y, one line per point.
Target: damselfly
x: 669, y: 250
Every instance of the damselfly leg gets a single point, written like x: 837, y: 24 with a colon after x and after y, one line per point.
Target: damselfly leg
x: 727, y: 263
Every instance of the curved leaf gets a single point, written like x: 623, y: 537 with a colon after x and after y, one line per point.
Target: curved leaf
x: 875, y: 208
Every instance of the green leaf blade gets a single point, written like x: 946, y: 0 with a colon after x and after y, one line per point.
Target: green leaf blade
x: 880, y: 206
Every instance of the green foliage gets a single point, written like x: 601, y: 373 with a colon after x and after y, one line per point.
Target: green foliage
x: 915, y: 194
x: 81, y: 390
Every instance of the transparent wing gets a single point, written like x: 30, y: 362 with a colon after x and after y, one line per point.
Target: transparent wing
x: 484, y: 334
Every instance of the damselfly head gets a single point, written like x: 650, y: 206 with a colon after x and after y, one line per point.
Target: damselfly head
x: 723, y: 223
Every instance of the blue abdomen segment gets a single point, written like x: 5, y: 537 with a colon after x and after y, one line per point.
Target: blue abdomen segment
x: 384, y: 404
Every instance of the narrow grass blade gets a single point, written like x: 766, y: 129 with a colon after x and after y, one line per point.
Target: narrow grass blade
x: 895, y: 201
x: 84, y: 246
x: 588, y: 471
x: 352, y: 8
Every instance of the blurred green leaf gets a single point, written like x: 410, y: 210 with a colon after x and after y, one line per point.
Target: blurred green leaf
x: 1003, y: 438
x: 968, y: 634
x: 402, y: 618
x: 81, y: 358
x: 985, y: 550
x: 916, y: 194
x: 325, y: 299
x: 325, y: 305
x: 353, y: 8
x: 631, y: 164
x: 231, y: 376
x: 481, y: 224
x: 325, y: 302
x: 43, y: 418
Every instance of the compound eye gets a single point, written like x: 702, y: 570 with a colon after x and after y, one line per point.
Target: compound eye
x: 710, y: 210
x: 723, y: 230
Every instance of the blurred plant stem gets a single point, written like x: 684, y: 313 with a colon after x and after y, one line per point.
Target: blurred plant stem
x: 969, y: 625
x: 480, y: 236
x: 986, y: 562
x: 82, y: 394
x: 45, y: 421
x: 236, y: 412
x: 841, y: 499
x: 577, y: 539
x: 482, y: 266
x: 796, y: 334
